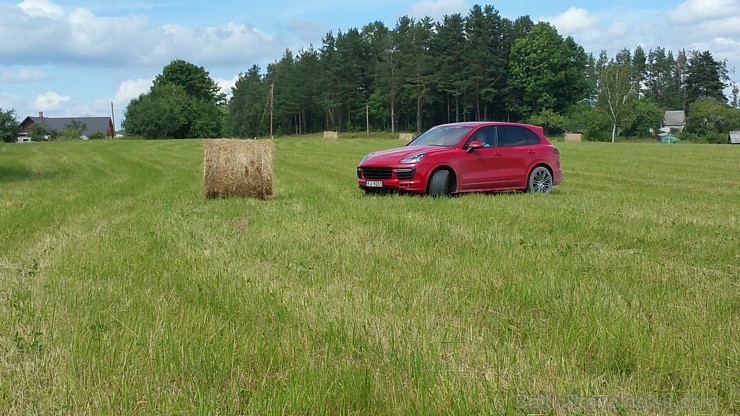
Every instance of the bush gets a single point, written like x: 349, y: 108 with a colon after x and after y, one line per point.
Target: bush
x: 716, y: 138
x: 549, y: 120
x: 597, y: 134
x: 9, y: 127
x: 594, y: 125
x: 38, y: 133
x: 706, y: 138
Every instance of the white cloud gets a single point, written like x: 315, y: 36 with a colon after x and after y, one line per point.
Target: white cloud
x: 11, y: 101
x: 436, y: 9
x: 40, y: 31
x: 24, y: 75
x: 131, y: 89
x: 52, y: 101
x: 224, y: 44
x: 574, y: 20
x: 226, y: 84
x: 619, y: 30
x: 725, y: 27
x: 41, y: 8
x: 696, y: 11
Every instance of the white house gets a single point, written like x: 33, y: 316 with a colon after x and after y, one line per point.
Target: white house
x: 673, y: 121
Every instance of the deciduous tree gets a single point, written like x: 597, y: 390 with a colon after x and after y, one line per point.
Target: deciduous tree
x: 710, y: 115
x: 9, y: 127
x: 73, y: 130
x: 183, y: 102
x: 195, y: 81
x: 547, y: 71
x: 648, y: 117
x: 617, y: 95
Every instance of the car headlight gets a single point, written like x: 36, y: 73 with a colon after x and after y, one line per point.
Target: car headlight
x: 413, y: 159
x: 365, y: 158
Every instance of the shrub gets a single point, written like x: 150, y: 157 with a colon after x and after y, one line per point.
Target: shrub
x: 38, y: 133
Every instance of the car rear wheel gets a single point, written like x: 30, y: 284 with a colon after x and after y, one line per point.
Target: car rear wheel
x: 540, y: 181
x: 439, y: 184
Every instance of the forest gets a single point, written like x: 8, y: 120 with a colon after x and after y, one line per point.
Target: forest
x: 421, y: 72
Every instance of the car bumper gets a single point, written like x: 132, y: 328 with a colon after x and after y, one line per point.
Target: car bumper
x: 404, y: 179
x: 392, y: 185
x: 557, y: 177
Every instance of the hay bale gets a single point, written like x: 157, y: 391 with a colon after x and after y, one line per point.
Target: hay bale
x: 407, y: 137
x: 331, y: 135
x: 237, y: 168
x: 573, y: 137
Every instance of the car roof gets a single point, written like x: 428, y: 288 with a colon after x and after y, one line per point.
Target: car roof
x: 484, y: 123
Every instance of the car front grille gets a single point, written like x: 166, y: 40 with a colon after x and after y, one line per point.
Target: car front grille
x: 377, y: 173
x: 385, y: 173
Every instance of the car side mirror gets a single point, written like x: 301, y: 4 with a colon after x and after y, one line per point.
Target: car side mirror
x: 475, y: 144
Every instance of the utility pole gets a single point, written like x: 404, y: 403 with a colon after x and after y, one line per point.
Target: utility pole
x: 735, y: 90
x: 272, y: 97
x: 113, y: 117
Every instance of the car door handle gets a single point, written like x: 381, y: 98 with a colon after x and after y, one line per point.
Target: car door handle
x: 531, y: 152
x: 498, y: 154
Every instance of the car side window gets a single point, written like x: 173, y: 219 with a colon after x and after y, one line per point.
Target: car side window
x: 486, y: 135
x: 531, y: 137
x: 511, y: 136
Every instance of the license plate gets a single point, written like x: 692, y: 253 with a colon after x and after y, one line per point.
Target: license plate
x: 374, y: 184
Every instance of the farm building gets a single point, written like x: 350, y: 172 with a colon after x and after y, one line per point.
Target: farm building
x: 673, y: 121
x: 733, y: 137
x: 92, y: 125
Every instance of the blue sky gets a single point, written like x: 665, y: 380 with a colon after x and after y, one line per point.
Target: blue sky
x: 73, y: 58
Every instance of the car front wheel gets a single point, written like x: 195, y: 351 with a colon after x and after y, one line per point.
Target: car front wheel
x: 540, y: 181
x: 439, y: 184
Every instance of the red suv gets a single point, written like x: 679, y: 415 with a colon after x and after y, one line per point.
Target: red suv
x: 466, y: 157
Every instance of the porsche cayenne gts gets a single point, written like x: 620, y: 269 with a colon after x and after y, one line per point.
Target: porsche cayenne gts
x: 466, y: 157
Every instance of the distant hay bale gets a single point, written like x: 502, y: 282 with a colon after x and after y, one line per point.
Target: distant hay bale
x: 573, y: 137
x: 237, y: 168
x: 407, y: 137
x: 331, y: 135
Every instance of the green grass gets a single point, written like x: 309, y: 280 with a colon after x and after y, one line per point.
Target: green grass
x: 122, y: 291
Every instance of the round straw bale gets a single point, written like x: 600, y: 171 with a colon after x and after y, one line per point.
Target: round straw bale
x: 237, y: 168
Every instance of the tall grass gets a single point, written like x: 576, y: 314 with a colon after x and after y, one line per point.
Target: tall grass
x: 122, y: 291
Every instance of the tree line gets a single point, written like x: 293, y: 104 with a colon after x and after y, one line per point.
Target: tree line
x: 421, y: 72
x: 480, y: 66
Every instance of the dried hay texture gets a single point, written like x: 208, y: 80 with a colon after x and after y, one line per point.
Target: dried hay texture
x: 237, y: 168
x: 407, y: 137
x: 573, y: 137
x: 331, y: 135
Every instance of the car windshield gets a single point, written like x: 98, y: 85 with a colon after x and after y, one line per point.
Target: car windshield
x: 447, y: 136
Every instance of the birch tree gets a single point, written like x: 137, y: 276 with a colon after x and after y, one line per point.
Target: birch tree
x: 617, y: 96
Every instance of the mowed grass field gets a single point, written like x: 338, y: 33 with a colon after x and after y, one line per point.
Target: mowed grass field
x: 123, y: 291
